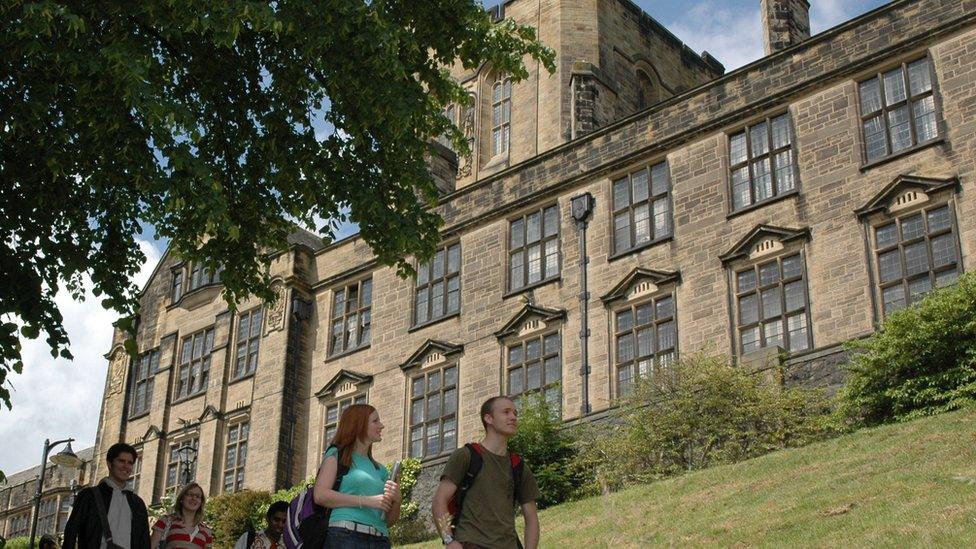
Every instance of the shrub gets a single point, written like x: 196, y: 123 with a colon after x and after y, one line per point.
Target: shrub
x: 229, y: 515
x: 698, y: 412
x: 161, y: 508
x: 286, y: 494
x: 921, y: 362
x: 546, y: 445
x: 410, y: 528
x: 22, y: 542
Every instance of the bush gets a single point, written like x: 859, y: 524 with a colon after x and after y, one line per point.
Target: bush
x: 22, y: 542
x: 286, y: 494
x: 698, y: 412
x: 410, y: 528
x: 161, y: 508
x: 229, y: 515
x: 921, y: 362
x: 546, y: 445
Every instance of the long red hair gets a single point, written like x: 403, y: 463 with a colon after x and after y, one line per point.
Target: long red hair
x: 353, y: 427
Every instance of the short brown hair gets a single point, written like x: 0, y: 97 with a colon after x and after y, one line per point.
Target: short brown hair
x: 119, y: 448
x: 487, y: 406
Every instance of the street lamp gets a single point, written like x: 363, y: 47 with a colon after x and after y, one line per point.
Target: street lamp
x: 64, y: 458
x: 188, y: 457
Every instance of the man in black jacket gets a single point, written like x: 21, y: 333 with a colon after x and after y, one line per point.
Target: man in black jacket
x: 125, y: 511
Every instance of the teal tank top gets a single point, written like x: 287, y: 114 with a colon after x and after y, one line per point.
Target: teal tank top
x: 363, y: 479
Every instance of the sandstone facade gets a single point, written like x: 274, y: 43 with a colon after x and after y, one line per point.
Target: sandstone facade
x: 688, y: 258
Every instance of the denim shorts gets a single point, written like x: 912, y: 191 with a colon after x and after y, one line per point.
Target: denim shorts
x: 341, y: 538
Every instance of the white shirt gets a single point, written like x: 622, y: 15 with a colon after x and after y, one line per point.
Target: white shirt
x: 119, y: 516
x: 261, y: 541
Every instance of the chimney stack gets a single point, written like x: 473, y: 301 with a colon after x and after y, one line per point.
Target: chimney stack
x: 785, y: 23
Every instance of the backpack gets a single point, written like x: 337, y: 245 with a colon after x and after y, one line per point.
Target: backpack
x: 307, y: 522
x: 474, y: 467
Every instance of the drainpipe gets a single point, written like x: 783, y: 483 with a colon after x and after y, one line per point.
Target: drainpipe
x: 582, y: 207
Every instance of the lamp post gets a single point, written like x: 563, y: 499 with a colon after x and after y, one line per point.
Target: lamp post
x: 188, y: 457
x: 582, y: 207
x: 64, y: 458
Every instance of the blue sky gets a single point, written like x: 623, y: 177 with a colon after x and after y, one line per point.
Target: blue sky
x: 58, y: 399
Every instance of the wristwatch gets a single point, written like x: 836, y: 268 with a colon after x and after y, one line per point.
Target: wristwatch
x: 447, y: 539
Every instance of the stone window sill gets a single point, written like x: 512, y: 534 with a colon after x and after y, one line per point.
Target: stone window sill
x: 532, y: 286
x: 188, y: 398
x: 196, y: 297
x: 640, y: 247
x: 241, y: 378
x: 431, y: 322
x: 140, y: 415
x: 347, y: 352
x: 500, y: 160
x: 768, y: 201
x: 895, y: 156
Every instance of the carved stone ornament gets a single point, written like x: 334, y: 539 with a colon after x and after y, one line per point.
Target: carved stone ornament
x: 276, y: 311
x: 117, y: 372
x: 466, y: 126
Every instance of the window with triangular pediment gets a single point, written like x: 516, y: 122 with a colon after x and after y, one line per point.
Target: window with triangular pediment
x: 645, y: 332
x: 912, y: 240
x: 770, y: 290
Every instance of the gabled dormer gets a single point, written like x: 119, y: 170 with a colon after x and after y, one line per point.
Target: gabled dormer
x: 151, y: 433
x: 640, y: 283
x: 764, y: 240
x: 431, y: 353
x: 529, y: 320
x: 906, y: 192
x: 345, y: 382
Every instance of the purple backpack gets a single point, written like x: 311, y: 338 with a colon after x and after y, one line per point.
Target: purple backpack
x: 307, y: 522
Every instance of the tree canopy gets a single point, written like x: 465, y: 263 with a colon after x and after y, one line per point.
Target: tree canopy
x: 199, y: 118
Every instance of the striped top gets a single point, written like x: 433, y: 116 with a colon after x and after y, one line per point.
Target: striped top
x: 193, y: 537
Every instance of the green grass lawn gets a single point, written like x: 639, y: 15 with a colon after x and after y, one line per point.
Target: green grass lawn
x: 906, y: 485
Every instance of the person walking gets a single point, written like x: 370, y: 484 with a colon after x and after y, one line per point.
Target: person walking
x: 367, y: 502
x: 474, y: 505
x: 183, y: 527
x: 107, y: 516
x: 270, y: 537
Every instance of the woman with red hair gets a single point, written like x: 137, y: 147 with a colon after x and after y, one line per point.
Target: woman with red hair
x: 366, y: 502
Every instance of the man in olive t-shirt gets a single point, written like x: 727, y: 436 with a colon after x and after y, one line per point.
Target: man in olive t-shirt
x: 488, y: 513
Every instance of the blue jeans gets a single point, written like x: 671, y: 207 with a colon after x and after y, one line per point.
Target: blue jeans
x: 340, y: 538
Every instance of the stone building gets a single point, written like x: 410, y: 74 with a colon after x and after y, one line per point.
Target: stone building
x: 57, y: 494
x: 771, y: 213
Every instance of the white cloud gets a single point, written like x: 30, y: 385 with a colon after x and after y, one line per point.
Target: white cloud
x: 825, y: 14
x: 57, y: 398
x: 731, y: 34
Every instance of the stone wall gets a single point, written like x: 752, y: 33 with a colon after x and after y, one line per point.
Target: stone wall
x: 815, y: 83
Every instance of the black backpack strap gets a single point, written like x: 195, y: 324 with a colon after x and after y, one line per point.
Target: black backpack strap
x: 518, y: 466
x: 102, y: 515
x: 251, y: 534
x: 474, y: 467
x: 341, y: 469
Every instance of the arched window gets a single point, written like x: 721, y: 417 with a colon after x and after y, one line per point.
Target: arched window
x: 501, y: 115
x: 645, y: 90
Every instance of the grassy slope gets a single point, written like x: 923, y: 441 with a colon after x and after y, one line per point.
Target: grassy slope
x: 911, y: 484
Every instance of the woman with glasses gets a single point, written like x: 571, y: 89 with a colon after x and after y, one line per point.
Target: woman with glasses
x: 183, y: 528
